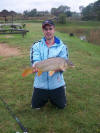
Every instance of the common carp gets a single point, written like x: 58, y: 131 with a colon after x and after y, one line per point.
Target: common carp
x: 49, y: 65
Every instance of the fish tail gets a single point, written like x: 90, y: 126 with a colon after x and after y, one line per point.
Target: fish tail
x: 27, y: 71
x: 51, y: 73
x: 39, y: 72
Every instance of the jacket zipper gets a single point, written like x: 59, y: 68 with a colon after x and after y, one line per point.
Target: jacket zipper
x: 47, y: 72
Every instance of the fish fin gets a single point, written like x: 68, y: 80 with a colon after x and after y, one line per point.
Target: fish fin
x: 27, y: 71
x: 51, y: 73
x: 39, y: 72
x: 71, y: 65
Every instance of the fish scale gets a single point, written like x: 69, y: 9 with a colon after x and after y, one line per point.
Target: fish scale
x: 50, y: 65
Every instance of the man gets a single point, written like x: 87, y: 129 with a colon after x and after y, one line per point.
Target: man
x: 48, y: 87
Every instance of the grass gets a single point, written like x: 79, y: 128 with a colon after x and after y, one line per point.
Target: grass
x: 81, y: 24
x: 82, y: 115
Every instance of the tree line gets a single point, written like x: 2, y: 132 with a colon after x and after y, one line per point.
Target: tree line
x: 90, y: 12
x: 34, y: 13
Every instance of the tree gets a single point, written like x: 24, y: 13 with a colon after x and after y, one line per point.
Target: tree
x: 87, y: 13
x: 12, y: 13
x: 60, y: 10
x: 69, y: 14
x: 31, y: 13
x: 62, y: 18
x: 81, y: 8
x: 5, y: 13
x: 97, y: 9
x: 25, y: 13
x: 53, y: 11
x: 92, y: 11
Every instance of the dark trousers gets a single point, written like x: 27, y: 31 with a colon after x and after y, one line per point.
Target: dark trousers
x: 41, y: 96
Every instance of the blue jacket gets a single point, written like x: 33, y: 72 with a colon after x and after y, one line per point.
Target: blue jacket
x: 40, y: 51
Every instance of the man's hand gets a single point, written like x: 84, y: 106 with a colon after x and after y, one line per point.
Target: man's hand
x: 35, y: 69
x: 58, y: 70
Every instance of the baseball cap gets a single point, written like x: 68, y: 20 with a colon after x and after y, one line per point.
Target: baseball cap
x: 47, y: 22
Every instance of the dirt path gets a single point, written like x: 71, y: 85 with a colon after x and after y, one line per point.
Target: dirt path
x: 7, y: 51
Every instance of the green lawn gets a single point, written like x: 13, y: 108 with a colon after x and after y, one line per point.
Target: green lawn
x: 82, y: 115
x: 81, y: 24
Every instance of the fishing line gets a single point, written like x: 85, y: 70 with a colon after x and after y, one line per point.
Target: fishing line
x: 25, y: 130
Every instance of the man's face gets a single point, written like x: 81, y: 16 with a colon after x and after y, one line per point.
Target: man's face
x: 49, y: 32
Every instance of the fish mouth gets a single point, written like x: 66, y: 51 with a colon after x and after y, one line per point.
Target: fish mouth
x: 70, y: 63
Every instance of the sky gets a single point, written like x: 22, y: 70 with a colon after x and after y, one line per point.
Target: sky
x: 42, y: 5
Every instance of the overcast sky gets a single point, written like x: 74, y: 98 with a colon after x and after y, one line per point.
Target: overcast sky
x: 41, y: 5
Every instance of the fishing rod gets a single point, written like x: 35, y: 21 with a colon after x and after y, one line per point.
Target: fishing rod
x: 25, y: 130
